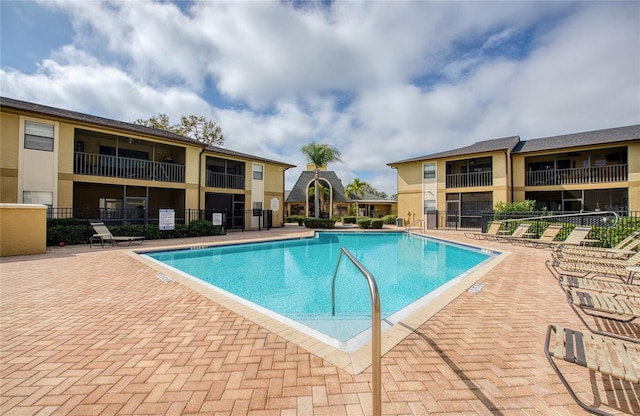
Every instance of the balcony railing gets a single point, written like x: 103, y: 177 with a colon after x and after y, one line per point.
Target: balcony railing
x: 576, y: 176
x: 465, y: 180
x: 123, y: 167
x: 225, y: 180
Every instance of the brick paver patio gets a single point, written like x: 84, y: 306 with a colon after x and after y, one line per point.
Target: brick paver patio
x: 94, y: 331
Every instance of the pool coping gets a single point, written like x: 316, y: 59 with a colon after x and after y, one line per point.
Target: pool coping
x: 354, y: 362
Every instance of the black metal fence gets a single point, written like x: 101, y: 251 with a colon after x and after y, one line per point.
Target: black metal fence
x: 231, y: 220
x: 608, y: 227
x: 476, y: 221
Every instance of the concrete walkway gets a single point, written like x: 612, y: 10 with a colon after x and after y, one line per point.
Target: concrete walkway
x: 93, y: 331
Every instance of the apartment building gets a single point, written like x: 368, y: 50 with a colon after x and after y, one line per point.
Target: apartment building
x: 66, y: 159
x: 597, y: 170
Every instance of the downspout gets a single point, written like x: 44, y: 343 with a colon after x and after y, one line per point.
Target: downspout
x: 507, y: 160
x: 200, y: 178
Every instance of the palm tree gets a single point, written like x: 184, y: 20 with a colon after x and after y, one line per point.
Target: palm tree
x: 356, y: 188
x: 320, y: 155
x: 325, y: 193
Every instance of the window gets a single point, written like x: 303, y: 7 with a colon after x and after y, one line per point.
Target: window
x: 429, y: 170
x: 33, y: 197
x: 257, y: 172
x: 429, y: 205
x: 38, y: 136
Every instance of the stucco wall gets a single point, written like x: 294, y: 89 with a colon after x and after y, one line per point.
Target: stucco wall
x: 23, y: 229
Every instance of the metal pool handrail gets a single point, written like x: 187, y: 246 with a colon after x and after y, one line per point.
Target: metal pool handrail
x: 376, y: 355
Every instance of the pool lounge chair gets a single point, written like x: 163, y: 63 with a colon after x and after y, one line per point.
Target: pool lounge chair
x: 599, y: 285
x: 517, y: 234
x: 605, y: 355
x: 625, y: 272
x: 624, y: 249
x: 545, y: 240
x: 559, y: 267
x: 604, y: 306
x: 491, y: 234
x: 103, y: 235
x: 577, y: 237
x: 630, y: 261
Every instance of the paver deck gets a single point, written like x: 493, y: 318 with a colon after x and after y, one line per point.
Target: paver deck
x: 94, y: 331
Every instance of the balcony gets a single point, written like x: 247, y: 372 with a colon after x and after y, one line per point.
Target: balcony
x: 577, y: 176
x: 124, y: 167
x: 467, y: 180
x: 225, y: 180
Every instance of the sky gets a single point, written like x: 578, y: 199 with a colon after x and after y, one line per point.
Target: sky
x: 381, y: 81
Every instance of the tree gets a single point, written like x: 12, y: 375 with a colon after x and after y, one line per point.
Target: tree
x: 195, y: 127
x: 357, y: 188
x: 320, y: 155
x: 374, y: 191
x: 523, y: 206
x: 325, y: 193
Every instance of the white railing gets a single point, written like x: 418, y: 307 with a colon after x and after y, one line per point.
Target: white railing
x: 124, y: 167
x: 576, y: 176
x: 465, y: 180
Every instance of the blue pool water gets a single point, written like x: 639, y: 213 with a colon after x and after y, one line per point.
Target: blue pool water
x: 293, y: 277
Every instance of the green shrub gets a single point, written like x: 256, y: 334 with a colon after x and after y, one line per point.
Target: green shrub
x: 200, y: 228
x: 319, y: 223
x: 72, y: 231
x: 68, y: 234
x: 389, y: 219
x: 524, y: 206
x: 364, y: 222
x: 133, y: 230
x: 336, y: 218
x: 295, y: 218
x: 348, y: 220
x: 377, y: 223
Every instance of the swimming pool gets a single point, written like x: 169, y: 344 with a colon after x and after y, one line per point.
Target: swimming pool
x: 291, y: 279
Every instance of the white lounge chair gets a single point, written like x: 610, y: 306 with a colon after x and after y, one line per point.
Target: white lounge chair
x: 103, y: 235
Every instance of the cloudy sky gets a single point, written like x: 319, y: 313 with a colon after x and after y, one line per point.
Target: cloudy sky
x: 381, y: 81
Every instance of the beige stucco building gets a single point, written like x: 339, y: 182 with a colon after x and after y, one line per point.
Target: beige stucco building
x: 597, y: 170
x: 77, y: 163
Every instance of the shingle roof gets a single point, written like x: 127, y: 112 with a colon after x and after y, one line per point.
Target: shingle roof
x: 74, y: 116
x: 618, y: 134
x: 298, y: 193
x: 506, y: 143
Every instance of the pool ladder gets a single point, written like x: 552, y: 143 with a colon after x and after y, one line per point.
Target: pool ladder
x: 376, y: 356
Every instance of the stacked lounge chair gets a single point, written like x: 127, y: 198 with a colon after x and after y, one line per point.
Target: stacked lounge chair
x: 612, y: 349
x: 623, y: 269
x: 599, y: 285
x: 606, y: 306
x: 633, y: 260
x: 623, y: 249
x: 605, y: 355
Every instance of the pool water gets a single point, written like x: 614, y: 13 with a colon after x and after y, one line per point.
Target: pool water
x: 293, y: 277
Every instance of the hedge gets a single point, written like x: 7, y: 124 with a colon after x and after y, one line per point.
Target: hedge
x: 296, y: 218
x: 319, y: 223
x: 389, y: 219
x: 364, y: 222
x: 377, y: 223
x: 348, y: 220
x: 71, y: 231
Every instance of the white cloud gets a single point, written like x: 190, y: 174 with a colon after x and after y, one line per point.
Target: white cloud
x: 381, y: 81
